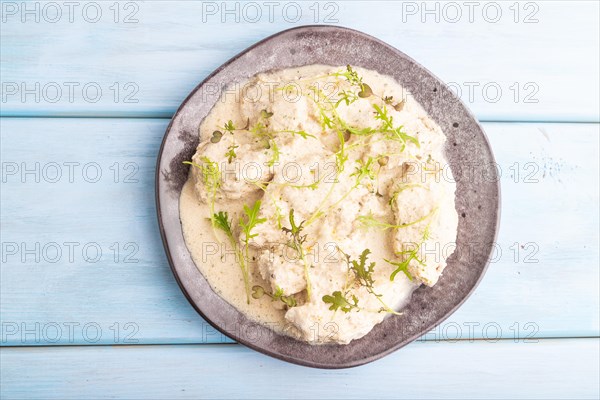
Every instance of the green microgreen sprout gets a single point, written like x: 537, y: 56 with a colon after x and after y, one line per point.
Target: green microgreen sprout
x: 250, y: 220
x: 258, y: 292
x: 262, y: 132
x: 396, y: 193
x: 402, y: 266
x: 300, y: 133
x: 297, y: 243
x: 329, y: 119
x: 387, y: 126
x: 363, y: 274
x: 340, y: 301
x: 231, y: 153
x: 211, y: 176
x: 408, y: 256
x: 389, y: 100
x: 355, y: 80
x: 230, y: 127
x: 221, y: 221
x: 247, y: 222
x: 265, y: 114
x: 363, y: 170
x: 346, y: 97
x: 312, y: 186
x: 365, y: 92
x: 216, y: 137
x: 369, y: 221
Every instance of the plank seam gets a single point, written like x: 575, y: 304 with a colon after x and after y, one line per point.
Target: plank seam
x: 479, y: 340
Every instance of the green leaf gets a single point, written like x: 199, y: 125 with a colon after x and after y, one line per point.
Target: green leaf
x: 364, y: 170
x: 221, y: 221
x: 289, y: 301
x: 275, y: 153
x: 210, y: 173
x: 387, y: 126
x: 369, y: 221
x: 266, y: 114
x: 295, y: 230
x: 362, y: 272
x: 303, y: 134
x: 346, y: 97
x: 216, y: 137
x: 340, y: 302
x: 229, y: 126
x: 402, y: 266
x: 365, y: 91
x: 296, y: 242
x: 382, y: 115
x: 257, y: 292
x: 231, y: 154
x: 251, y: 220
x: 350, y: 75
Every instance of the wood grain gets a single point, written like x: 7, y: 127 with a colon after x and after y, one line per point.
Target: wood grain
x: 544, y: 59
x: 544, y: 286
x: 543, y: 67
x: 420, y: 370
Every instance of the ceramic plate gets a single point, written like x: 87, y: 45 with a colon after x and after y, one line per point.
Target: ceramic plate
x: 477, y: 196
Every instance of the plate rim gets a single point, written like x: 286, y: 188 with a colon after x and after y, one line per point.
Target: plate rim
x: 264, y: 350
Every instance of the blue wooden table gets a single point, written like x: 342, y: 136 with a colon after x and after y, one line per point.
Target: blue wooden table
x: 89, y: 306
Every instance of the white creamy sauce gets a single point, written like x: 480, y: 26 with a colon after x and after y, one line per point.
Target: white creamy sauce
x: 357, y: 166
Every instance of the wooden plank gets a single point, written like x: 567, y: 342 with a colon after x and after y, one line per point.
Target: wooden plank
x: 545, y: 286
x: 507, y: 61
x: 550, y: 369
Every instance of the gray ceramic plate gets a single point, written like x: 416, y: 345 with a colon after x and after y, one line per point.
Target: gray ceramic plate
x: 477, y: 198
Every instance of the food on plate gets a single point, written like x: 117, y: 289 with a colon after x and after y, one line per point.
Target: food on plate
x: 318, y: 199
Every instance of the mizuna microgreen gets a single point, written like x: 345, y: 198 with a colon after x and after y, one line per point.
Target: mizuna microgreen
x: 408, y: 256
x: 362, y: 270
x: 231, y: 153
x: 340, y: 301
x: 387, y: 127
x: 221, y: 221
x: 250, y: 220
x: 369, y: 221
x: 363, y: 274
x: 258, y: 292
x: 297, y: 243
x: 211, y: 176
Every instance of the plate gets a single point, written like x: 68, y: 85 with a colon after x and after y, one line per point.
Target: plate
x: 467, y: 150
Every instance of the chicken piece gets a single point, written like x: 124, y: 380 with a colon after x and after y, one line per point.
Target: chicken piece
x: 426, y: 222
x: 281, y: 266
x: 278, y: 108
x: 298, y: 183
x: 230, y: 176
